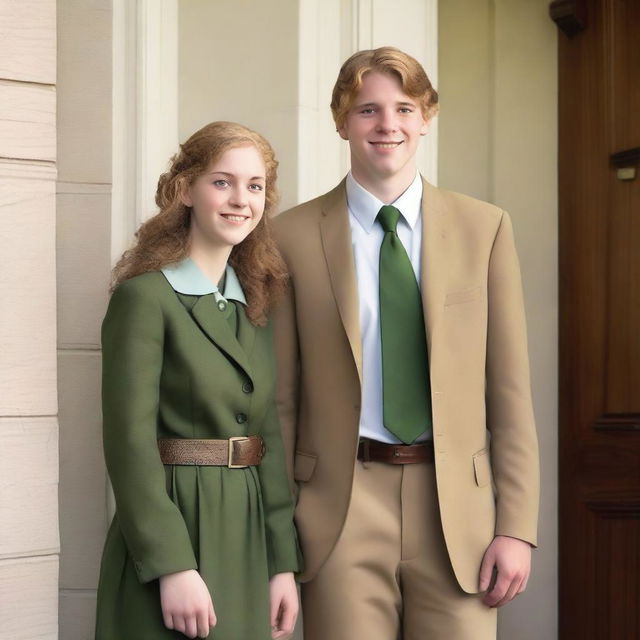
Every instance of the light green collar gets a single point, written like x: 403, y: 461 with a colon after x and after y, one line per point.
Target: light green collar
x: 186, y: 277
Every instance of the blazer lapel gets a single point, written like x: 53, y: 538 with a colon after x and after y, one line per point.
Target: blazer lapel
x: 433, y: 261
x: 217, y: 328
x: 336, y: 243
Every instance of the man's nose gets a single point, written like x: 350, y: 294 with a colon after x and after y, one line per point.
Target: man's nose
x: 387, y: 122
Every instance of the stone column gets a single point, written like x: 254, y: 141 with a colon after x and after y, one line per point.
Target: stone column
x: 29, y: 542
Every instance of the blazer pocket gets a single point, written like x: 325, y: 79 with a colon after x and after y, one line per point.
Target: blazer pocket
x: 482, y: 467
x: 303, y: 466
x: 464, y: 295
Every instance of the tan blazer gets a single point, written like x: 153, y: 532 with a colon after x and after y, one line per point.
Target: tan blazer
x: 484, y: 433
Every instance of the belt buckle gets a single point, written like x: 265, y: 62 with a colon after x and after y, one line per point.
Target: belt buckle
x: 230, y: 464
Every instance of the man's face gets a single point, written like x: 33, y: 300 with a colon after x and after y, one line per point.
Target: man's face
x: 383, y: 128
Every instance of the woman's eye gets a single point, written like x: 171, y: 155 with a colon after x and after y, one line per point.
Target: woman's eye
x: 256, y: 187
x: 220, y: 183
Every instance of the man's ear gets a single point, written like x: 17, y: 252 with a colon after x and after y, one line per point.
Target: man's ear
x: 425, y: 127
x: 342, y: 132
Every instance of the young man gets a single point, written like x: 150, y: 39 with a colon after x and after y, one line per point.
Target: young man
x: 404, y: 384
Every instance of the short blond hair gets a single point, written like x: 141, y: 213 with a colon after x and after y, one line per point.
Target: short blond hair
x: 412, y: 76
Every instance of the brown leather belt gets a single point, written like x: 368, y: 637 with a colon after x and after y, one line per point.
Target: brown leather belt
x: 235, y: 453
x: 374, y: 451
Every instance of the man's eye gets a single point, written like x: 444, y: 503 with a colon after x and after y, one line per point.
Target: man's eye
x: 368, y: 110
x: 406, y: 110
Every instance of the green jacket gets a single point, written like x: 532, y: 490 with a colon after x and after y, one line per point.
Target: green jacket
x: 173, y: 368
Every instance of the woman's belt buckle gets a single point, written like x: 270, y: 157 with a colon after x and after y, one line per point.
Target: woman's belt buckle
x: 230, y: 464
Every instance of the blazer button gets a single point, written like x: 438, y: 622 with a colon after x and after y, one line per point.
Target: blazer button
x: 222, y: 305
x: 241, y: 418
x: 247, y: 387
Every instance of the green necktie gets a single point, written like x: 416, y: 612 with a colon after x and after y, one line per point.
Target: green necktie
x: 405, y: 367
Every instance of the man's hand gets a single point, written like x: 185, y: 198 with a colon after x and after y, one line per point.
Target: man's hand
x: 511, y: 558
x: 186, y: 604
x: 284, y: 604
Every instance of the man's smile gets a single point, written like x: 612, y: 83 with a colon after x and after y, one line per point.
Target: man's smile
x: 386, y: 145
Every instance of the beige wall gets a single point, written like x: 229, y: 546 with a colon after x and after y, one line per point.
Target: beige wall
x: 28, y: 424
x: 83, y: 263
x: 498, y: 142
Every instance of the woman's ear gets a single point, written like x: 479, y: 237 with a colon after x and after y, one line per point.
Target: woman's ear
x: 184, y: 191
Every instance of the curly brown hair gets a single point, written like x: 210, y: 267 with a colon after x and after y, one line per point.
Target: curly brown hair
x: 411, y: 74
x: 164, y: 238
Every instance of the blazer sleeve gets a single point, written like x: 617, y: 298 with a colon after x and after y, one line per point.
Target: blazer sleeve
x: 514, y: 446
x: 132, y: 353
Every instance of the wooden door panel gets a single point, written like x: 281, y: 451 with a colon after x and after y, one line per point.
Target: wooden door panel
x: 599, y: 367
x: 624, y: 17
x: 614, y: 529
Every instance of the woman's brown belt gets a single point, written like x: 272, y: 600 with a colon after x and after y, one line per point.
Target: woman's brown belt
x: 235, y: 453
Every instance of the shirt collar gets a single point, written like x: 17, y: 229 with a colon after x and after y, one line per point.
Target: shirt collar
x: 186, y: 277
x: 364, y: 206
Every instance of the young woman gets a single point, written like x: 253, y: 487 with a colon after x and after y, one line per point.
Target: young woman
x: 203, y: 533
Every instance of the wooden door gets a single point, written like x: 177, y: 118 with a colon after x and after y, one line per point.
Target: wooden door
x: 599, y: 262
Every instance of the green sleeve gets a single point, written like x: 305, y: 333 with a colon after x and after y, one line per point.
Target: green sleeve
x: 132, y: 353
x: 282, y: 545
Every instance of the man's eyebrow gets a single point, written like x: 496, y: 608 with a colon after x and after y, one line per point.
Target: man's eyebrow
x: 366, y: 104
x: 375, y: 104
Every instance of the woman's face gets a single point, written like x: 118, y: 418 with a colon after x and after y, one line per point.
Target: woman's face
x: 228, y: 199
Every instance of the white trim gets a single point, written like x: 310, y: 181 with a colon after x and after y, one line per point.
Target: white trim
x: 157, y: 96
x: 362, y: 12
x: 145, y: 108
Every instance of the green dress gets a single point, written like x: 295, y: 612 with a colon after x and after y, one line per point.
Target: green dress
x: 181, y: 362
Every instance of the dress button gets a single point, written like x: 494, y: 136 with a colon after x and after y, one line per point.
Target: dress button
x: 247, y: 387
x: 241, y: 418
x: 222, y: 305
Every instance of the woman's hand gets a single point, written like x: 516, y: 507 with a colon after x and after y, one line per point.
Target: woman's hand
x: 283, y: 596
x: 186, y: 604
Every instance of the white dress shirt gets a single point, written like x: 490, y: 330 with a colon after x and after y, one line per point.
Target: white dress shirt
x: 366, y: 238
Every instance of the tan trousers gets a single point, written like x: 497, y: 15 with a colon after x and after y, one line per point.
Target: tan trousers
x: 389, y: 576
